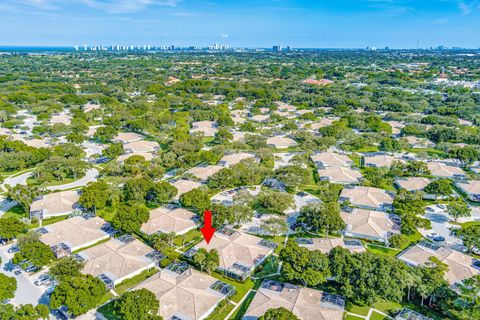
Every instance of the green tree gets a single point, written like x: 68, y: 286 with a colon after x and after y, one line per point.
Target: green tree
x: 11, y: 227
x: 304, y: 266
x: 65, y: 268
x: 275, y: 225
x: 33, y: 250
x: 458, y: 209
x: 293, y: 176
x: 137, y: 305
x: 95, y: 195
x: 8, y: 286
x: 278, y: 314
x: 207, y: 260
x: 470, y: 236
x: 440, y: 187
x: 275, y: 202
x: 129, y: 218
x: 223, y: 136
x: 322, y: 217
x: 79, y: 294
x: 113, y: 150
x: 197, y: 199
x: 24, y: 195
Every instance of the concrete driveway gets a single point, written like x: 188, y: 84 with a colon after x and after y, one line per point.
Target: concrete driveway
x: 27, y: 291
x: 90, y: 176
x: 439, y: 220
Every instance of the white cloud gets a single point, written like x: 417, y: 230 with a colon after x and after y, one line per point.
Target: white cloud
x: 125, y: 6
x: 466, y: 7
x: 109, y: 6
x: 224, y: 35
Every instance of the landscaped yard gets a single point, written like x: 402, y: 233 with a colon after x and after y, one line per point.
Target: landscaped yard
x: 129, y: 283
x: 351, y: 317
x: 361, y: 310
x: 221, y: 312
x: 377, y: 316
x: 382, y: 250
x: 238, y: 314
x: 241, y: 288
x: 268, y: 267
x: 192, y: 235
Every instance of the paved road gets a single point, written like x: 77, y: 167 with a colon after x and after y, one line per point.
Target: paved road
x: 27, y: 291
x: 13, y: 181
x: 90, y: 176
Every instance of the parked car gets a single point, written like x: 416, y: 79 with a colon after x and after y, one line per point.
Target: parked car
x: 13, y: 249
x: 44, y: 279
x: 17, y: 272
x: 50, y: 290
x: 439, y: 239
x: 442, y: 206
x: 432, y: 235
x: 30, y: 269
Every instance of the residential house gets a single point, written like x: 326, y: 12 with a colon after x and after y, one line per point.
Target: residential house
x: 370, y: 224
x: 460, y: 265
x: 127, y: 137
x: 281, y: 142
x: 471, y: 188
x: 185, y: 293
x: 167, y: 220
x: 184, y: 186
x: 232, y: 159
x: 141, y: 146
x: 117, y: 259
x: 379, y: 160
x: 367, y: 198
x: 203, y: 172
x: 340, y: 175
x: 239, y: 252
x: 75, y: 233
x: 330, y: 159
x: 325, y: 245
x: 55, y: 204
x: 207, y: 128
x: 412, y: 183
x: 305, y: 303
x: 444, y: 170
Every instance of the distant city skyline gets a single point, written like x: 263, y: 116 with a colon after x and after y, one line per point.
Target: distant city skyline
x: 241, y: 23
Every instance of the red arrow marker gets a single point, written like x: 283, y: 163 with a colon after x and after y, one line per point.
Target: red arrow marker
x: 207, y: 229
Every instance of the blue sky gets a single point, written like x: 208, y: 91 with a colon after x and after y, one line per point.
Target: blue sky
x: 245, y: 23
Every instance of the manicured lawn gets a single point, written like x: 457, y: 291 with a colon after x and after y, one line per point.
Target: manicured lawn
x: 221, y: 312
x: 377, y: 316
x: 387, y: 306
x: 414, y: 238
x: 469, y: 224
x: 192, y: 235
x: 361, y: 310
x: 351, y: 317
x: 106, y: 297
x: 241, y: 288
x: 240, y: 312
x: 107, y: 215
x: 129, y: 283
x: 382, y: 250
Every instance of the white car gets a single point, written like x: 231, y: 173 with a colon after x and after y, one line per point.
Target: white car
x: 432, y: 235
